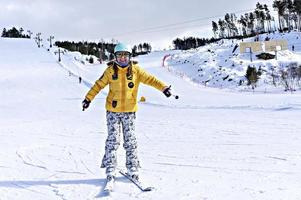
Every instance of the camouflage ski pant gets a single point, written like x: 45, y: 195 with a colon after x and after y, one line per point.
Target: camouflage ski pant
x: 116, y: 121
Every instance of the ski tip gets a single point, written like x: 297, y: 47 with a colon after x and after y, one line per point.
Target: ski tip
x: 108, y: 191
x: 105, y: 193
x: 148, y: 189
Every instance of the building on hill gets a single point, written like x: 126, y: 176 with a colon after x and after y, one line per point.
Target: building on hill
x: 264, y: 46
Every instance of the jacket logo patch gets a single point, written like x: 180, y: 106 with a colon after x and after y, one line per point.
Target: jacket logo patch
x: 114, y: 104
x: 131, y: 85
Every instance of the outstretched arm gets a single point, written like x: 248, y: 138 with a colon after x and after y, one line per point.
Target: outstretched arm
x: 150, y: 80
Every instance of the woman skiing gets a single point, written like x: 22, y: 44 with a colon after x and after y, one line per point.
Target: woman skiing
x: 123, y: 77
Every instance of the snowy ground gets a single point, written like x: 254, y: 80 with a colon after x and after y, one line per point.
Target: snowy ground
x: 209, y: 144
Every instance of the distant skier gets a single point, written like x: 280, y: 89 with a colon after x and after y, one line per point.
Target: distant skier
x: 123, y: 77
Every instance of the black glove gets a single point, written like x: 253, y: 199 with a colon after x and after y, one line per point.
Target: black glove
x: 166, y: 91
x: 85, y: 104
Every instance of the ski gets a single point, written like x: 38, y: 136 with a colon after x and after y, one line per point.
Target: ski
x: 137, y: 183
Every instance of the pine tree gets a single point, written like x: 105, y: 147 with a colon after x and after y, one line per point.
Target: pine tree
x: 222, y: 27
x: 214, y: 28
x: 233, y: 27
x: 297, y: 6
x: 290, y: 9
x: 134, y: 50
x: 4, y: 33
x: 227, y: 24
x: 251, y: 23
x: 140, y: 47
x: 243, y: 22
x: 252, y: 76
x: 279, y: 5
x: 268, y: 17
x: 21, y: 31
x: 260, y: 17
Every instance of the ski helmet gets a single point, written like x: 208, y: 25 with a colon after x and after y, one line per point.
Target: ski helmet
x: 122, y: 47
x: 121, y: 50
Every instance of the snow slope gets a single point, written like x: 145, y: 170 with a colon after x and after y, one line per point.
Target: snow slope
x: 215, y: 65
x: 209, y: 144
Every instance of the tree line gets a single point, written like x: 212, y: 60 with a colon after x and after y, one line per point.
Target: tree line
x: 14, y: 33
x: 260, y: 20
x: 102, y: 50
x: 250, y: 24
x: 289, y: 14
x: 191, y: 42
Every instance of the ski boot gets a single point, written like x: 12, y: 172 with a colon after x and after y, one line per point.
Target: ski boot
x: 133, y: 173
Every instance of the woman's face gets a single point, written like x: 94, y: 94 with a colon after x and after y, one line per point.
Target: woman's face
x: 123, y: 58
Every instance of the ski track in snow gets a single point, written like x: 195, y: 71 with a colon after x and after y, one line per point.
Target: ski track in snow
x: 28, y: 163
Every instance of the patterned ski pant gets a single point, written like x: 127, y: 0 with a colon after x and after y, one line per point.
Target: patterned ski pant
x: 116, y: 121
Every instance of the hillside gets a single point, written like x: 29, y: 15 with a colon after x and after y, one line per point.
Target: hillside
x: 216, y: 66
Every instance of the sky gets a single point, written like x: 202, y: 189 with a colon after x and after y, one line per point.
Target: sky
x: 133, y: 21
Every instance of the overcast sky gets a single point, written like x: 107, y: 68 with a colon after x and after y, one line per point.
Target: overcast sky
x: 130, y: 21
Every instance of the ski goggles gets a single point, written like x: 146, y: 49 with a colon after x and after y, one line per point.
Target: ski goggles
x: 122, y: 54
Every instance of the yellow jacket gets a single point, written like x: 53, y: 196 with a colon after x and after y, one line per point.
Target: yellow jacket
x: 123, y: 83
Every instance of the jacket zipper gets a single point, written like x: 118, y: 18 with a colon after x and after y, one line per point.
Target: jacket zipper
x: 123, y: 90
